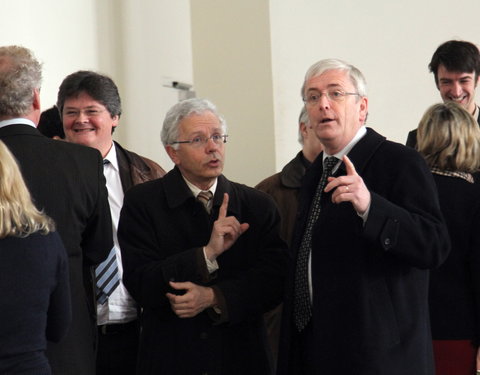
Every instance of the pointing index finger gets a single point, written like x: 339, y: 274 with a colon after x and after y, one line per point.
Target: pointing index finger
x: 223, y: 208
x: 349, y: 166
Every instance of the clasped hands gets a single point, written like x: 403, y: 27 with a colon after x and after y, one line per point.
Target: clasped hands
x: 349, y: 188
x: 197, y: 298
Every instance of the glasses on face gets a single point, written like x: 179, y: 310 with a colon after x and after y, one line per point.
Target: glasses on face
x: 334, y: 95
x: 200, y: 141
x: 74, y: 113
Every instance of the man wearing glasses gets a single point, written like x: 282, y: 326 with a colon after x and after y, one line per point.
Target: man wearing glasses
x: 202, y: 256
x: 90, y: 108
x: 369, y: 229
x: 456, y: 68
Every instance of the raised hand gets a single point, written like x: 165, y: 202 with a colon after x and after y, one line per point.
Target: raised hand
x: 349, y: 188
x: 225, y: 232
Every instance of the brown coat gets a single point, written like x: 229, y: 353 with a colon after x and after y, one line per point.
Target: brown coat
x: 283, y: 188
x: 136, y: 169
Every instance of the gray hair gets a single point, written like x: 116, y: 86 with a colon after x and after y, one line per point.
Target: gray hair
x: 303, y: 118
x: 322, y: 66
x: 20, y: 75
x: 182, y: 110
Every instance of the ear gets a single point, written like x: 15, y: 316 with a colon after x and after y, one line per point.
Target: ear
x: 303, y: 130
x: 173, y: 154
x: 115, y: 120
x: 363, y: 110
x: 36, y: 99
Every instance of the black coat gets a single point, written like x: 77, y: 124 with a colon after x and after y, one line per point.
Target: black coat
x: 455, y: 286
x: 35, y: 269
x: 66, y: 180
x: 370, y: 283
x: 162, y: 231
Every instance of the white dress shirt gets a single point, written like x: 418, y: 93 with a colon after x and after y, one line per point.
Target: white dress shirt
x: 120, y: 306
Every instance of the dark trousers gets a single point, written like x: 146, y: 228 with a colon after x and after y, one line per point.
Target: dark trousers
x: 118, y: 348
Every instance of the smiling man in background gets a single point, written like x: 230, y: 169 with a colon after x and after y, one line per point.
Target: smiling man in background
x: 456, y: 68
x: 90, y: 107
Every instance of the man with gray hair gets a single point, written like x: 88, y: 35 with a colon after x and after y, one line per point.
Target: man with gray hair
x: 67, y: 182
x: 202, y: 256
x: 368, y: 230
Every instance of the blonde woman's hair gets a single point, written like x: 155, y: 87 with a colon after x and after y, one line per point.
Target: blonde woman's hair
x: 18, y: 215
x: 448, y: 137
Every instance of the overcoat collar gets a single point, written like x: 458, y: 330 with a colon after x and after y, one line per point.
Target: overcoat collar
x: 177, y: 192
x: 363, y: 151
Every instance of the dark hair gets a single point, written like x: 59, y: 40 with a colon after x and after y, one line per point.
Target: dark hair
x: 100, y: 87
x: 456, y: 56
x: 50, y: 123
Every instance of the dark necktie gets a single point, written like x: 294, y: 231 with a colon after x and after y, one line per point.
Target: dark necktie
x: 205, y: 197
x: 302, y: 307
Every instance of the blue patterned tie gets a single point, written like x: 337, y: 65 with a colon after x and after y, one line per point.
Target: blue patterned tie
x: 107, y: 277
x: 302, y: 306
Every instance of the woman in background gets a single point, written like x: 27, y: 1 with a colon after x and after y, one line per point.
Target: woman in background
x: 449, y: 140
x: 34, y: 289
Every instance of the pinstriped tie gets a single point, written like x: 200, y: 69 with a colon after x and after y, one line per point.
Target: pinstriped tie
x: 302, y: 307
x: 205, y: 197
x: 107, y: 277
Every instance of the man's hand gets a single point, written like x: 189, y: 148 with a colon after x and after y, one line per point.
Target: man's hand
x: 225, y: 232
x: 196, y: 299
x: 350, y: 188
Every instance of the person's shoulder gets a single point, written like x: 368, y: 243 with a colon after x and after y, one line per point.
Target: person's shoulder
x: 146, y: 188
x: 254, y: 196
x: 397, y: 150
x: 74, y: 149
x: 138, y: 159
x: 267, y: 183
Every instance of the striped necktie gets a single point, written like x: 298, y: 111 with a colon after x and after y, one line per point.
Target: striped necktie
x: 302, y: 306
x: 107, y: 277
x: 205, y: 197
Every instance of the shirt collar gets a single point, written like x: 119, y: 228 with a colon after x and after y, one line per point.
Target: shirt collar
x: 339, y: 155
x: 18, y: 120
x: 196, y: 190
x: 112, y: 157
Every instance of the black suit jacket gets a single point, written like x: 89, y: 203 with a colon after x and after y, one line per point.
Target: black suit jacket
x: 67, y: 182
x: 412, y: 135
x: 162, y: 231
x: 370, y: 282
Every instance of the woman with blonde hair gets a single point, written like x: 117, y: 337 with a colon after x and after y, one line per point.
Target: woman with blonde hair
x: 449, y: 139
x: 34, y: 286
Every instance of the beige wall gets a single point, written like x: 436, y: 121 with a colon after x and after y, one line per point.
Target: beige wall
x: 232, y: 68
x: 62, y: 34
x: 248, y: 57
x: 142, y: 44
x: 391, y: 42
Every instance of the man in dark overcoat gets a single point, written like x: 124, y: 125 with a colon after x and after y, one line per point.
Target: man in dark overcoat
x: 368, y: 231
x: 67, y: 182
x: 202, y: 256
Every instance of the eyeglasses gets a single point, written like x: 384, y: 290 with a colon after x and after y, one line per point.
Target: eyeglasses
x: 199, y: 141
x: 334, y: 95
x: 74, y: 113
